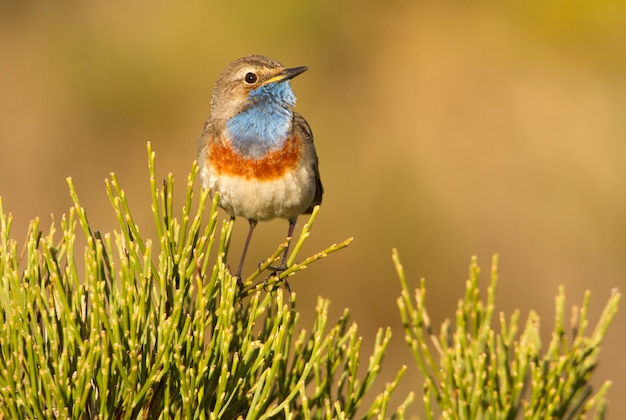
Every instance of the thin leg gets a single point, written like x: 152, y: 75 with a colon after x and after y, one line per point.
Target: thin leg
x: 245, y: 249
x: 292, y: 226
x: 283, y: 262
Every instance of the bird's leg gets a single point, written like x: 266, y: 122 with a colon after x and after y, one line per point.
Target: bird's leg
x: 245, y: 250
x: 277, y: 269
x: 283, y: 262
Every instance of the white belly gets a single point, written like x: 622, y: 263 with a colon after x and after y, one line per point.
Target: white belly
x: 284, y: 198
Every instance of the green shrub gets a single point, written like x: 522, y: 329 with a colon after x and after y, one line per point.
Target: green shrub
x: 475, y: 372
x: 133, y: 328
x: 161, y: 330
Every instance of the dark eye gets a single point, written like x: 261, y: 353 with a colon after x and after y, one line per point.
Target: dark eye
x: 250, y: 78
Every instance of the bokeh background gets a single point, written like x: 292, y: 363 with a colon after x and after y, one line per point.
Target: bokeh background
x: 445, y: 129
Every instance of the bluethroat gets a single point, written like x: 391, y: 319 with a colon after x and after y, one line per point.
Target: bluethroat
x: 255, y: 151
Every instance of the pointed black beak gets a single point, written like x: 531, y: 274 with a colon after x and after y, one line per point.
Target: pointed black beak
x: 293, y: 72
x: 286, y: 74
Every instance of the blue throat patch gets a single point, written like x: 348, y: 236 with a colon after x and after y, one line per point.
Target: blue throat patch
x: 265, y: 124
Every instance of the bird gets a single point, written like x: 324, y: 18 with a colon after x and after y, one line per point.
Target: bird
x: 256, y: 152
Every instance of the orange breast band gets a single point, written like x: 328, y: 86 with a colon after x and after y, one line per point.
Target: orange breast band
x: 227, y: 161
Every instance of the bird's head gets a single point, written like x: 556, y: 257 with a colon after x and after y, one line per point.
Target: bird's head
x: 251, y: 81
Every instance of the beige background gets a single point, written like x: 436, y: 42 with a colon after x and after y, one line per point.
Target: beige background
x: 445, y: 131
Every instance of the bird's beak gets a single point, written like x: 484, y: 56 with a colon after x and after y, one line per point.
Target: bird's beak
x: 286, y: 74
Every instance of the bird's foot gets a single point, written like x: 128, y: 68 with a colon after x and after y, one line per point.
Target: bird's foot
x: 276, y: 270
x: 279, y: 268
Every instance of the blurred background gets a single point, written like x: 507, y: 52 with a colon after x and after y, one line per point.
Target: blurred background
x: 446, y: 130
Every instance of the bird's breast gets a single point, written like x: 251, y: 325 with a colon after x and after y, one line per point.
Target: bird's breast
x: 274, y: 164
x: 280, y: 184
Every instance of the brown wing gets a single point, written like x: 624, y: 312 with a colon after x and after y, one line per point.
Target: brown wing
x: 301, y: 126
x: 205, y: 137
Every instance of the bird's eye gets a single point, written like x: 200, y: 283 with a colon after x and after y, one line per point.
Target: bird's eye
x: 250, y: 78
